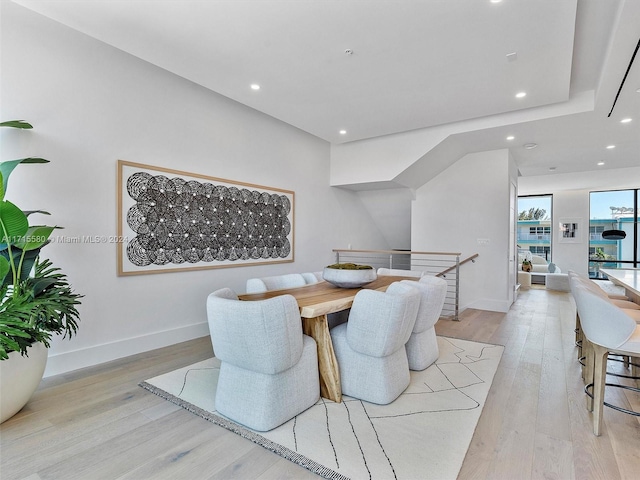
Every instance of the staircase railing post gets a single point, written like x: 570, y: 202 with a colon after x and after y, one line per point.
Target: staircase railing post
x: 455, y: 314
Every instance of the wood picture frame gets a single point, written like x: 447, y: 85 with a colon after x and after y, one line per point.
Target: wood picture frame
x: 170, y: 220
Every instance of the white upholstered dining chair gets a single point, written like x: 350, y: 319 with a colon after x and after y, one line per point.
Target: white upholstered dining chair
x: 370, y: 347
x: 312, y: 277
x: 276, y: 282
x: 422, y: 346
x: 268, y: 369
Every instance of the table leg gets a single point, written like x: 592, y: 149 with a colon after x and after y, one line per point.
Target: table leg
x: 318, y: 329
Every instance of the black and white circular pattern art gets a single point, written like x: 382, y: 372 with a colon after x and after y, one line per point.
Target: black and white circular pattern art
x: 178, y: 221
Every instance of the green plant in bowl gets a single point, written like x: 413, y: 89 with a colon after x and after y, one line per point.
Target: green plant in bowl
x: 350, y: 266
x: 349, y: 275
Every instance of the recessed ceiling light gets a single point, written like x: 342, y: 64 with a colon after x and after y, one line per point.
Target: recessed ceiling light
x: 600, y: 163
x: 609, y: 147
x: 342, y: 132
x: 625, y: 120
x: 255, y: 86
x: 637, y: 90
x: 510, y: 137
x: 530, y: 146
x: 521, y: 94
x: 495, y: 1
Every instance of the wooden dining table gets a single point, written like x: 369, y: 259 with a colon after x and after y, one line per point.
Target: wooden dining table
x: 316, y: 301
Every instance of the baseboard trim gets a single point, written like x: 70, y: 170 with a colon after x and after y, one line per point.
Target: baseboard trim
x: 90, y: 356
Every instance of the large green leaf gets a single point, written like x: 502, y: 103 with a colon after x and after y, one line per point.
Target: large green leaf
x: 7, y: 167
x: 4, y: 269
x: 28, y: 260
x: 35, y: 237
x: 16, y: 124
x: 13, y: 223
x: 4, y: 254
x: 30, y: 212
x: 40, y: 284
x: 7, y: 329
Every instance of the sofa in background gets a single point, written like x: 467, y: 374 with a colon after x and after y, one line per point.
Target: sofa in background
x: 540, y: 268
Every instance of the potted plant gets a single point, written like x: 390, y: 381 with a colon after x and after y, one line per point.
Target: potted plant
x: 36, y: 300
x: 349, y: 275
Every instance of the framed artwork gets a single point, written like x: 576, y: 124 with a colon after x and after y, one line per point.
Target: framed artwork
x: 570, y: 230
x: 170, y: 221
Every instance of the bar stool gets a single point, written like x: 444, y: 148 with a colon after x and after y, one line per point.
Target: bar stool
x: 608, y: 330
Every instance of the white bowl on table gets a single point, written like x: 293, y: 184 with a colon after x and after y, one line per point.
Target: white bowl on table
x: 347, y: 278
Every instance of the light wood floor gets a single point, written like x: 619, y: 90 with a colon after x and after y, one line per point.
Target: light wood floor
x: 98, y: 424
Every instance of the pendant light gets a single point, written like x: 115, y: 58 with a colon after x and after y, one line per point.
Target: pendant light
x: 614, y: 234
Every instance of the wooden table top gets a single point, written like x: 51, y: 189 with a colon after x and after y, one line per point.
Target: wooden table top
x: 322, y: 298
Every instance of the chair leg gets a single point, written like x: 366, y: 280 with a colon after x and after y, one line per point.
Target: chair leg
x: 587, y: 369
x: 600, y: 355
x: 579, y: 336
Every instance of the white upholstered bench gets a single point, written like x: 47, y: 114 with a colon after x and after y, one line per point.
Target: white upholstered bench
x: 557, y: 281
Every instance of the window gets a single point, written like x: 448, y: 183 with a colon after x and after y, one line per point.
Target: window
x: 539, y: 230
x: 613, y: 210
x: 595, y: 232
x: 540, y: 250
x: 534, y: 225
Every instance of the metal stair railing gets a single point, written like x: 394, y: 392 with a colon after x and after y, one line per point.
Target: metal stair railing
x: 441, y: 264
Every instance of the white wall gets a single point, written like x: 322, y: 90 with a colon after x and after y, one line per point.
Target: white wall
x: 91, y: 105
x: 571, y: 256
x: 391, y: 210
x: 571, y: 200
x: 469, y: 202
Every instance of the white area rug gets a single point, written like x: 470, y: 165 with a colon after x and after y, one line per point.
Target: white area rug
x: 423, y: 434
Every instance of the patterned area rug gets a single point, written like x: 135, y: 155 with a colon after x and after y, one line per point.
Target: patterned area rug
x: 424, y: 433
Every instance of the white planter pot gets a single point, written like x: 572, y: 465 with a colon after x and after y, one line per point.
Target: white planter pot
x: 19, y: 378
x: 349, y: 278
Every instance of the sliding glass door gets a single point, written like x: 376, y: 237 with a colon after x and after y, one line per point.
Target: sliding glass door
x: 613, y: 230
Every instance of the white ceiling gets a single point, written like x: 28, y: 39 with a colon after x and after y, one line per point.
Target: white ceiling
x: 415, y: 64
